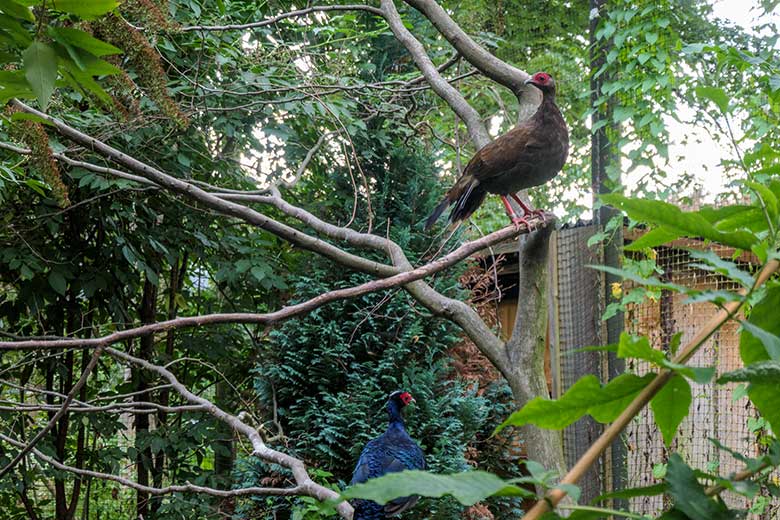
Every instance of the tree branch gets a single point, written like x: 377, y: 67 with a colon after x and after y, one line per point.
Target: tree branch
x: 279, y: 17
x: 152, y: 490
x: 489, y: 65
x: 305, y: 485
x: 56, y: 417
x: 442, y: 304
x: 447, y: 92
x: 212, y: 201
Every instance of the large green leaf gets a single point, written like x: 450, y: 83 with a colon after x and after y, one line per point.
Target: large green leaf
x: 557, y: 414
x: 763, y: 319
x: 759, y: 372
x: 639, y: 348
x: 770, y: 341
x: 654, y: 237
x: 691, y: 224
x: 13, y: 84
x: 670, y: 406
x: 758, y: 343
x: 586, y: 396
x: 716, y: 264
x: 17, y: 11
x: 467, y: 488
x: 617, y: 395
x: 715, y: 94
x: 17, y: 32
x: 86, y: 8
x: 40, y: 69
x: 688, y: 493
x: 82, y: 40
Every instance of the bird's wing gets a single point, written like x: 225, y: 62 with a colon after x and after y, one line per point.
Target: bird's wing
x: 410, y: 457
x: 504, y: 154
x: 363, y: 468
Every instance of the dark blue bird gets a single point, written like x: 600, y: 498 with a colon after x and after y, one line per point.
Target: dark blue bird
x: 392, y: 451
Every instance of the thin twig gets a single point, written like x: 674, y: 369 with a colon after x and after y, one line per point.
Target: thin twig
x: 62, y: 411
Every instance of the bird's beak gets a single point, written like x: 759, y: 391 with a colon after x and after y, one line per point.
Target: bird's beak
x: 413, y: 400
x: 529, y: 81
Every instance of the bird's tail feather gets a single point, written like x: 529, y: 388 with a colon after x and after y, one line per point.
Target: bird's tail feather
x: 437, y: 213
x: 465, y: 197
x: 468, y: 202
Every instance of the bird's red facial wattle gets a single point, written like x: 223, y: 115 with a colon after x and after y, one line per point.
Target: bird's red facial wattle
x: 541, y: 80
x: 406, y: 398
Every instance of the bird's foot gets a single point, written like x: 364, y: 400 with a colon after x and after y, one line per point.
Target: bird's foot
x: 537, y: 213
x: 517, y: 221
x: 530, y: 224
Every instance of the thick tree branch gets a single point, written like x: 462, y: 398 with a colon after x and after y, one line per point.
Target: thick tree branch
x: 447, y: 92
x: 489, y: 65
x: 212, y: 201
x: 443, y: 305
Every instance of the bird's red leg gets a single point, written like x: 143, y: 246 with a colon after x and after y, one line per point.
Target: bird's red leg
x: 528, y: 211
x: 512, y: 215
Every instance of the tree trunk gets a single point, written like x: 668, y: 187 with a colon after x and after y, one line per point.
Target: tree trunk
x: 527, y: 345
x: 602, y: 155
x: 144, y: 457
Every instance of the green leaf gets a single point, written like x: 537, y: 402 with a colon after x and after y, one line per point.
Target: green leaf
x: 17, y: 11
x: 639, y: 348
x: 716, y: 95
x: 40, y: 69
x: 586, y: 396
x: 557, y: 414
x: 646, y: 491
x: 18, y: 33
x: 692, y: 224
x: 87, y: 9
x: 769, y: 199
x: 617, y: 395
x: 13, y: 84
x: 688, y: 493
x: 654, y: 237
x: 718, y: 265
x: 650, y: 281
x: 670, y: 406
x: 770, y: 342
x: 759, y: 372
x: 764, y: 396
x: 57, y: 282
x: 467, y: 488
x: 24, y: 116
x: 763, y: 317
x: 701, y: 375
x: 83, y: 40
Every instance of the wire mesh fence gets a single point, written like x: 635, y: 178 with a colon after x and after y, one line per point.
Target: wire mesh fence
x: 716, y: 411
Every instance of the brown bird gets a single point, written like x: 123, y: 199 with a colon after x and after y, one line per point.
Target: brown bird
x: 529, y: 155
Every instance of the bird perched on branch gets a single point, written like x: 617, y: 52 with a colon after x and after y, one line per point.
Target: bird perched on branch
x: 529, y: 155
x: 392, y: 451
